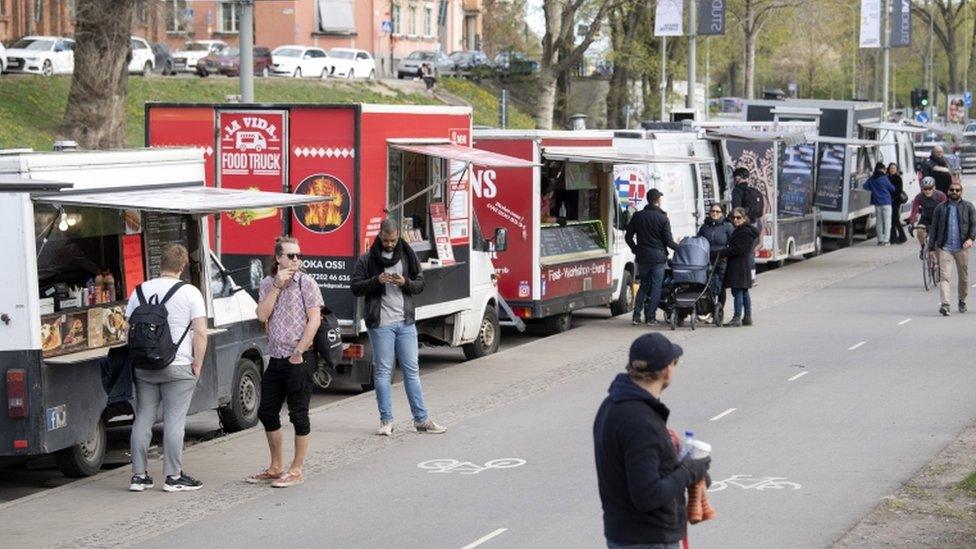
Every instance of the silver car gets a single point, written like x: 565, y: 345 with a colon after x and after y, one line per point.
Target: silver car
x: 409, y: 66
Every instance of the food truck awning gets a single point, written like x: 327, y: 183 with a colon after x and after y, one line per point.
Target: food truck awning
x: 849, y: 141
x: 789, y: 138
x: 14, y: 184
x: 891, y: 126
x: 193, y: 200
x: 610, y: 155
x: 458, y: 153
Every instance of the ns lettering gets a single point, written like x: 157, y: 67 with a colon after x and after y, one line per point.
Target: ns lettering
x: 484, y: 184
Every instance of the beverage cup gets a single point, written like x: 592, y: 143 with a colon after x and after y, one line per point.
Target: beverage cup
x: 700, y: 449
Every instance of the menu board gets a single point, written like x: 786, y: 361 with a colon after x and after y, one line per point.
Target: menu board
x: 830, y: 177
x: 796, y: 180
x: 707, y: 184
x: 571, y: 239
x: 80, y: 330
x: 442, y: 238
x: 159, y: 229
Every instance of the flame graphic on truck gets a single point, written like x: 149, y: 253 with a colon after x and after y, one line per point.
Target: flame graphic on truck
x: 326, y: 216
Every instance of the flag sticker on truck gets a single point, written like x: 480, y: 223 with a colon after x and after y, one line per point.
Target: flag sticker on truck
x: 57, y: 417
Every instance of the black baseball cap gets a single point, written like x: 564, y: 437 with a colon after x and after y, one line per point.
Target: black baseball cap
x: 655, y: 350
x: 654, y: 194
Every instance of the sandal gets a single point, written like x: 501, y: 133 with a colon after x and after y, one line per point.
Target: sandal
x: 263, y: 477
x: 288, y: 479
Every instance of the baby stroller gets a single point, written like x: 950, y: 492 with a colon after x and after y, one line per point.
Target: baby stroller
x: 688, y: 291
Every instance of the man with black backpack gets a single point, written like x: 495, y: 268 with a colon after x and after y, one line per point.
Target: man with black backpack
x: 167, y: 361
x: 750, y: 198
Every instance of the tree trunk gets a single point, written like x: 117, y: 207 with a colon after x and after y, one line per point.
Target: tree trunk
x: 95, y: 115
x: 547, y: 99
x: 750, y: 66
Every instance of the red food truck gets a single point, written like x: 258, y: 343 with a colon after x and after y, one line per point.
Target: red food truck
x: 409, y: 163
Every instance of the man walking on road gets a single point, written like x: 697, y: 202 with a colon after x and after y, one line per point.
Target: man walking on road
x: 642, y: 483
x: 649, y: 237
x: 950, y: 237
x: 173, y: 385
x: 937, y: 167
x: 389, y: 277
x: 291, y: 303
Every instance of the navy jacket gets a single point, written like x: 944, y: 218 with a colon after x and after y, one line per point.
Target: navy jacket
x: 881, y: 190
x: 642, y: 487
x: 652, y: 231
x: 717, y: 233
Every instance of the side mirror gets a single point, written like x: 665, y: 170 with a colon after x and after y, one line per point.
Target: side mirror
x: 501, y: 239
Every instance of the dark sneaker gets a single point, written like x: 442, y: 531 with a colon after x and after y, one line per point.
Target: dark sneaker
x: 747, y: 321
x: 139, y: 484
x: 636, y: 322
x: 944, y: 309
x: 184, y: 483
x: 962, y: 306
x: 734, y: 322
x: 654, y: 322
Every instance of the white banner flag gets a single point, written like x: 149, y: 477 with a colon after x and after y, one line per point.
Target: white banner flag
x: 870, y: 23
x: 668, y: 18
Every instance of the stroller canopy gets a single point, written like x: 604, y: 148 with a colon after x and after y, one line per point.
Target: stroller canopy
x: 691, y: 261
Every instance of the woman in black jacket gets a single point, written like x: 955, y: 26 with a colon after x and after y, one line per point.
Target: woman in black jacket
x: 717, y: 230
x: 897, y: 231
x: 738, y: 275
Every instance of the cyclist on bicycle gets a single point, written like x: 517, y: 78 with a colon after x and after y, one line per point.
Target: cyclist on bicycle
x: 922, y: 207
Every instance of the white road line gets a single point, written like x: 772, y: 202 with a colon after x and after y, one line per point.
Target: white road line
x: 723, y: 414
x: 853, y: 347
x: 903, y: 322
x: 798, y: 376
x: 481, y: 540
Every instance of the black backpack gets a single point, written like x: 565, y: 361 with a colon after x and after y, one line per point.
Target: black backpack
x: 753, y: 201
x: 151, y: 346
x: 328, y: 338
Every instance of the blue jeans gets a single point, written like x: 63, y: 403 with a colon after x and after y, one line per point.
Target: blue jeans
x: 743, y: 303
x: 397, y: 341
x: 649, y: 294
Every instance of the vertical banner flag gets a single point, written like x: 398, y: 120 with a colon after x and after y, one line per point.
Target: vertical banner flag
x: 668, y: 18
x: 901, y: 23
x: 711, y: 17
x: 870, y: 23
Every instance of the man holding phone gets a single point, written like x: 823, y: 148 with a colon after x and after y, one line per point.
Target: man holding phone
x: 388, y: 276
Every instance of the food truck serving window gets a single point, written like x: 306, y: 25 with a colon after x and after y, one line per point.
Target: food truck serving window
x: 416, y: 181
x: 576, y: 208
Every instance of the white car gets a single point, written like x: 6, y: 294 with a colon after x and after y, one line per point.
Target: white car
x: 45, y: 55
x: 143, y: 59
x: 299, y: 61
x: 350, y: 63
x: 3, y: 58
x: 185, y: 60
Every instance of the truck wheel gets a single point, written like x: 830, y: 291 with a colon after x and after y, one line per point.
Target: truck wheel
x: 817, y: 247
x: 625, y: 301
x: 488, y: 337
x: 558, y: 324
x: 242, y: 411
x: 84, y: 459
x: 775, y: 264
x: 848, y: 239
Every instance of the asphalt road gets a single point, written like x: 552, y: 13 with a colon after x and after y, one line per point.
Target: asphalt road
x: 886, y: 383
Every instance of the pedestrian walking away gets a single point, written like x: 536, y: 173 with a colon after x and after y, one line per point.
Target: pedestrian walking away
x: 882, y: 192
x: 642, y: 484
x: 752, y: 199
x: 389, y: 277
x: 649, y: 237
x: 738, y: 277
x: 717, y: 230
x: 898, y: 199
x: 951, y: 235
x: 172, y: 384
x: 290, y: 302
x: 923, y: 206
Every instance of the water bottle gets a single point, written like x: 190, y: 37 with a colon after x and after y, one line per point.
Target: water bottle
x: 687, y: 445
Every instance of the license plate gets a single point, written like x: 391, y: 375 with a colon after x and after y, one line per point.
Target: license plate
x: 16, y: 63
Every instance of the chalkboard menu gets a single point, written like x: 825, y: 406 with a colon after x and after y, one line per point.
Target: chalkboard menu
x: 571, y: 239
x: 159, y: 229
x: 796, y: 180
x: 708, y: 184
x: 829, y: 195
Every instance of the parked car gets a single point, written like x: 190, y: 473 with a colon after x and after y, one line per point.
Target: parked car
x: 409, y: 66
x: 185, y: 60
x: 3, y: 58
x: 228, y: 62
x: 163, y: 59
x: 300, y: 61
x: 514, y: 63
x: 45, y: 55
x: 471, y: 63
x: 967, y: 147
x: 143, y: 58
x: 350, y: 63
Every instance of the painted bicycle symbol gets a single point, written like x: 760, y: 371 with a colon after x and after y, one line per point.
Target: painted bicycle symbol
x: 749, y: 482
x: 467, y: 467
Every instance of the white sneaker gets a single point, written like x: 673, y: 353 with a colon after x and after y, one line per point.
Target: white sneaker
x: 386, y: 429
x: 428, y: 426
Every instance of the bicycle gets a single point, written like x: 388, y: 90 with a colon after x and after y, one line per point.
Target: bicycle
x: 930, y: 267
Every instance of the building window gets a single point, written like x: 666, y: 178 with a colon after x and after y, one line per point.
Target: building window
x: 412, y: 29
x: 176, y: 15
x: 142, y: 12
x: 396, y: 18
x: 3, y: 7
x: 428, y: 15
x: 336, y: 17
x: 228, y: 17
x: 38, y: 10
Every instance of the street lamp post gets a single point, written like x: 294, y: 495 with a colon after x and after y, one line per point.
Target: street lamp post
x: 692, y: 53
x: 246, y: 30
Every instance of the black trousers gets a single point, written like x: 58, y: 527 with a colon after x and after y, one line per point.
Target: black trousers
x: 897, y: 230
x: 287, y: 382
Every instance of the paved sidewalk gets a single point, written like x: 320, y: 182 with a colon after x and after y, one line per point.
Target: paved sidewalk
x: 100, y: 512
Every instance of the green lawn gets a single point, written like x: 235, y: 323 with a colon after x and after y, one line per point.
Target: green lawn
x: 31, y: 107
x: 485, y: 104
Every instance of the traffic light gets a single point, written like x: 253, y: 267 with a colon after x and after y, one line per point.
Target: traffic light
x: 923, y: 98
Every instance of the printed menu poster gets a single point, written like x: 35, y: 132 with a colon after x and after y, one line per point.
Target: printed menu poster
x: 442, y: 236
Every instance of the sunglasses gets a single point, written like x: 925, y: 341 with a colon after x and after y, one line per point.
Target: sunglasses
x: 293, y: 256
x: 955, y: 190
x: 737, y: 217
x: 716, y: 211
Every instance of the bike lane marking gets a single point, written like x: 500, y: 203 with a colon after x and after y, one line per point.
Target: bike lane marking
x: 903, y: 322
x: 723, y: 414
x: 856, y: 346
x: 485, y: 538
x: 798, y: 376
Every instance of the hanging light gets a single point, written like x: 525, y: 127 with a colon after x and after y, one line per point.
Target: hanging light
x: 63, y: 224
x: 72, y: 220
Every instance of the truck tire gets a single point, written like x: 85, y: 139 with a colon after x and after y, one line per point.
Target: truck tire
x: 848, y: 239
x: 84, y: 459
x: 558, y: 324
x: 488, y: 336
x: 625, y: 301
x: 242, y: 411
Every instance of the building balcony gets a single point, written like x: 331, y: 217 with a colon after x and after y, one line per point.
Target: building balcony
x: 472, y: 5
